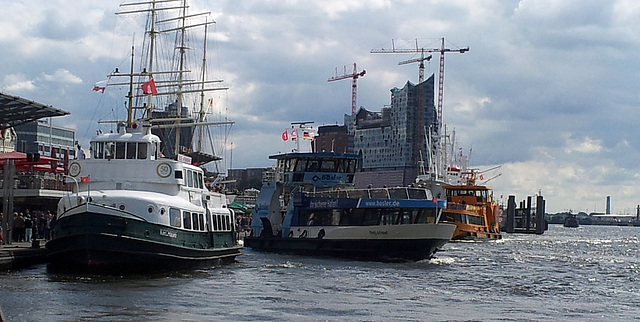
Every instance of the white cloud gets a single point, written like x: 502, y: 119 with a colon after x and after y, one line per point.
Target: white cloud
x: 587, y: 145
x: 62, y: 76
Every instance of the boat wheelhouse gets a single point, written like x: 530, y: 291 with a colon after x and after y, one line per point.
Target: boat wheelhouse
x: 473, y: 210
x: 309, y: 206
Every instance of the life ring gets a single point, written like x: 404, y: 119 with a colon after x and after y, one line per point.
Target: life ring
x: 163, y: 170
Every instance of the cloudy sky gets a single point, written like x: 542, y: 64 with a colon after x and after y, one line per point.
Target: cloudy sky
x: 548, y: 89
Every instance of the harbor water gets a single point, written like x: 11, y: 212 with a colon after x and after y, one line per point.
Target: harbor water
x: 590, y: 273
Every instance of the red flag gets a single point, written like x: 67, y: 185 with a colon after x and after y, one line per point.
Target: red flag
x: 84, y: 179
x: 285, y: 135
x: 149, y: 87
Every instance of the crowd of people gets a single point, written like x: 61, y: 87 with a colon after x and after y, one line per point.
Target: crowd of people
x: 28, y: 226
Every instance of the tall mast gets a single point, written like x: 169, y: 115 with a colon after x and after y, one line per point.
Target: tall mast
x: 202, y: 114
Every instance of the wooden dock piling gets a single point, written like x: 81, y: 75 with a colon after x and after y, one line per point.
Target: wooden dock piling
x: 525, y: 219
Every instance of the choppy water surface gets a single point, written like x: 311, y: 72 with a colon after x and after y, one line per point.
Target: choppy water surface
x: 586, y: 274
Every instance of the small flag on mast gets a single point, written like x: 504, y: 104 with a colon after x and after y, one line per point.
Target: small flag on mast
x: 285, y: 135
x: 84, y: 179
x: 100, y: 86
x: 149, y: 87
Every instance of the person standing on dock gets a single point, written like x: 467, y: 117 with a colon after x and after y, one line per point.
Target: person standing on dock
x: 28, y: 228
x: 18, y: 226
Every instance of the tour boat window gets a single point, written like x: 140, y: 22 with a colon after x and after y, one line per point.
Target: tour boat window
x: 418, y: 194
x: 120, y: 149
x: 371, y: 217
x: 108, y: 150
x: 406, y: 217
x: 313, y: 166
x: 187, y: 220
x: 291, y: 164
x: 196, y: 183
x: 426, y: 216
x: 219, y: 219
x: 215, y: 223
x: 189, y: 179
x: 201, y: 220
x: 131, y: 150
x: 178, y: 174
x: 195, y: 221
x: 142, y: 150
x: 174, y: 217
x: 200, y: 181
x: 389, y: 217
x: 301, y: 165
x: 328, y: 166
x: 98, y: 150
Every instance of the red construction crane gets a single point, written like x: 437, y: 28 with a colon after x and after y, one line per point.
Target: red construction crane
x: 442, y: 50
x: 354, y: 83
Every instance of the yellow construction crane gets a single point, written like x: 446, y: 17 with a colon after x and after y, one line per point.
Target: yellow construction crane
x: 354, y: 83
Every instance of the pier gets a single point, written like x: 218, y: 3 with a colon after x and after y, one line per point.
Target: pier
x: 22, y: 254
x: 525, y: 219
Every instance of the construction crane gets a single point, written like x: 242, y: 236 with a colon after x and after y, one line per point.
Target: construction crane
x: 420, y: 67
x: 442, y: 50
x: 354, y: 83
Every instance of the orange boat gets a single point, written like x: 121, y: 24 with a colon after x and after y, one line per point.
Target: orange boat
x: 472, y: 209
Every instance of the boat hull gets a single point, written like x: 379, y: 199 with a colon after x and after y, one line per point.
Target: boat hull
x: 95, y: 242
x: 384, y: 243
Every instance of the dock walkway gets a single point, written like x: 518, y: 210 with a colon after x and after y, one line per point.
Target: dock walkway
x: 22, y: 254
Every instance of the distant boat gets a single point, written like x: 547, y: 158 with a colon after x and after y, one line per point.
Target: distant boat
x: 570, y: 220
x: 309, y: 206
x: 134, y: 210
x: 471, y: 207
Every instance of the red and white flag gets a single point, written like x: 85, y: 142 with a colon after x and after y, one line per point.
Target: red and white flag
x: 149, y: 87
x: 100, y: 86
x: 294, y: 134
x: 84, y: 179
x: 285, y: 135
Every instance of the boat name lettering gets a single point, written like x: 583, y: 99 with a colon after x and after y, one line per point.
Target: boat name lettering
x: 382, y: 203
x: 326, y: 177
x: 378, y: 232
x: 166, y: 233
x: 328, y: 203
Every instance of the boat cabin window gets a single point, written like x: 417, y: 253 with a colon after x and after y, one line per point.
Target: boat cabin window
x: 189, y: 179
x: 196, y: 222
x: 365, y: 217
x: 178, y: 174
x: 187, y: 220
x: 221, y: 222
x: 98, y: 150
x: 174, y: 217
x: 120, y: 150
x: 142, y: 151
x: 131, y: 150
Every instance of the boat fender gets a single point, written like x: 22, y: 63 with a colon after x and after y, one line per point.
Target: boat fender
x: 321, y: 234
x: 304, y: 234
x: 290, y: 233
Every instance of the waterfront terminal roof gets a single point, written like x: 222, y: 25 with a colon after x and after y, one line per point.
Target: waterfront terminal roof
x: 16, y: 110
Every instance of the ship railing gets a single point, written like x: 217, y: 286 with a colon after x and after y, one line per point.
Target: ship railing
x: 376, y: 193
x: 40, y: 181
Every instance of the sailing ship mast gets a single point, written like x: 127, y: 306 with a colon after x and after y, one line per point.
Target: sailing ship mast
x: 173, y: 82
